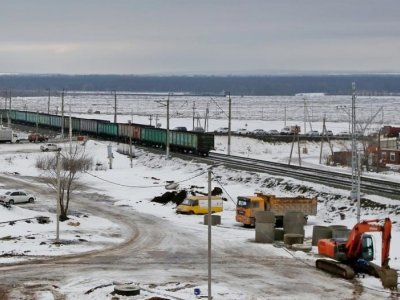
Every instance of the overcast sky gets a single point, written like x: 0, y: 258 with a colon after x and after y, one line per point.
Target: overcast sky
x: 199, y: 36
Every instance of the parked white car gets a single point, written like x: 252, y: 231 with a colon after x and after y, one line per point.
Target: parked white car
x: 242, y: 131
x: 222, y: 130
x: 49, y: 147
x: 17, y: 196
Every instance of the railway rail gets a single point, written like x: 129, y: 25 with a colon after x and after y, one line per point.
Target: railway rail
x: 329, y: 178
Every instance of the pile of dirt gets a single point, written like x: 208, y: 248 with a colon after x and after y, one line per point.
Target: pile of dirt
x: 173, y: 197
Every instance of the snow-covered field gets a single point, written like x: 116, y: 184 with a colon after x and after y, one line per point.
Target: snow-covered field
x: 133, y: 188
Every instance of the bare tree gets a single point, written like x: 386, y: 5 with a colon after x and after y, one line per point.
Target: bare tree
x: 73, y: 163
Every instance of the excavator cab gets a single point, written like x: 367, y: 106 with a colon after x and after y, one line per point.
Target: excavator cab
x: 367, y: 248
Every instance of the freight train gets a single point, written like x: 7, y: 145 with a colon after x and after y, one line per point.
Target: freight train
x: 197, y: 143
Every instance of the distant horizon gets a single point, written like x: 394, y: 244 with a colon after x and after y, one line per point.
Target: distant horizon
x: 310, y: 73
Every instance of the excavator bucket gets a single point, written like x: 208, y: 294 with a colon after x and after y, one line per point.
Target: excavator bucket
x: 389, y: 277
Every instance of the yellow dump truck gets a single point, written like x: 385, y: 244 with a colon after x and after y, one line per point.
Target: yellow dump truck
x: 198, y: 205
x: 248, y: 205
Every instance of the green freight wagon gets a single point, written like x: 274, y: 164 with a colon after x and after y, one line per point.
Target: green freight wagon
x: 32, y: 118
x: 12, y: 113
x: 107, y: 129
x: 44, y: 120
x: 153, y: 137
x: 182, y: 141
x: 194, y: 142
x: 205, y: 143
x: 55, y: 121
x: 20, y: 116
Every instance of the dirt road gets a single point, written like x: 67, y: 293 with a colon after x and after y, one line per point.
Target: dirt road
x: 156, y: 252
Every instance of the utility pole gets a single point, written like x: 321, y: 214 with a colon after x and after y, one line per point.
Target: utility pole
x: 209, y: 233
x: 167, y: 141
x: 194, y: 110
x: 285, y: 115
x: 206, y: 119
x: 48, y: 103
x: 229, y: 123
x: 62, y: 114
x: 58, y: 196
x: 115, y: 106
x: 355, y: 172
x: 305, y: 128
x: 130, y: 142
x: 5, y: 99
x: 324, y: 132
x: 70, y: 131
x: 295, y: 138
x: 151, y: 118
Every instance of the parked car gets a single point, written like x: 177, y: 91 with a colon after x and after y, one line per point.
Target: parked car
x: 17, y: 196
x: 285, y: 131
x: 180, y: 129
x: 242, y: 131
x: 273, y: 132
x: 50, y: 147
x: 198, y: 129
x: 37, y: 137
x: 259, y: 132
x: 312, y: 133
x: 343, y: 133
x: 222, y: 130
x: 329, y: 133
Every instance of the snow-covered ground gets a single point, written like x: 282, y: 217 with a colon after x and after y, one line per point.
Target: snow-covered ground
x: 135, y: 187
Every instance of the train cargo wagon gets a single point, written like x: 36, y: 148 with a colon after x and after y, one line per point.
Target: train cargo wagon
x: 132, y: 130
x: 183, y: 141
x: 205, y: 143
x: 107, y: 129
x: 32, y: 118
x: 153, y: 136
x: 75, y: 123
x: 89, y: 126
x: 44, y: 120
x: 12, y: 113
x: 20, y: 116
x: 3, y: 114
x: 55, y: 121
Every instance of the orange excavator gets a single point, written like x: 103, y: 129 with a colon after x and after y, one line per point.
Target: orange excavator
x: 354, y: 256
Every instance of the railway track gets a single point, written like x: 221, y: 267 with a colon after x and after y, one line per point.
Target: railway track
x: 329, y: 178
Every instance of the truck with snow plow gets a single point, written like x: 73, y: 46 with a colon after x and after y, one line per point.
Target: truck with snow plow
x: 247, y: 206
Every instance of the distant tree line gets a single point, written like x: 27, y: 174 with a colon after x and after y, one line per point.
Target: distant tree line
x: 237, y: 85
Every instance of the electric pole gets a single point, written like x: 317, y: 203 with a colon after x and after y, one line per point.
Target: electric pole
x: 194, y: 109
x: 167, y: 141
x: 58, y: 196
x: 115, y: 106
x: 48, y: 103
x: 355, y: 171
x: 62, y: 114
x: 209, y: 233
x: 229, y: 123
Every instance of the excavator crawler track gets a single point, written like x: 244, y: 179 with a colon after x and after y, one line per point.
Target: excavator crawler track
x: 335, y: 268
